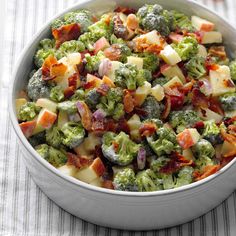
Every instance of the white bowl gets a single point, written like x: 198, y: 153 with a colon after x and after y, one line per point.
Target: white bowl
x: 124, y: 210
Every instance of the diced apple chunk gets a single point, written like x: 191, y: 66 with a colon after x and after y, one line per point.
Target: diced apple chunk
x: 187, y: 153
x: 158, y: 92
x: 228, y: 149
x: 62, y: 119
x: 19, y: 102
x: 138, y: 61
x: 202, y: 24
x: 188, y: 138
x: 173, y: 83
x: 46, y: 103
x: 69, y: 170
x: 101, y: 44
x: 211, y: 37
x: 152, y: 37
x: 114, y: 66
x: 134, y: 124
x: 172, y: 71
x: 74, y: 58
x: 96, y: 182
x: 98, y: 166
x: 28, y: 128
x: 169, y: 55
x: 207, y: 114
x: 142, y: 92
x: 46, y: 118
x: 202, y: 51
x: 95, y: 79
x: 220, y: 80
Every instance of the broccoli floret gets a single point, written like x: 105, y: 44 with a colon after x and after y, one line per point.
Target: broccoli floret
x: 182, y: 21
x: 37, y: 139
x: 143, y: 75
x: 150, y: 61
x: 151, y: 108
x: 68, y: 106
x: 54, y: 137
x: 46, y: 47
x: 164, y: 142
x: 92, y: 98
x: 153, y: 17
x: 93, y: 62
x: 96, y: 31
x: 124, y: 180
x: 57, y: 94
x: 73, y: 134
x: 28, y: 111
x: 147, y: 181
x: 203, y: 148
x: 204, y: 161
x: 69, y: 47
x: 118, y: 148
x: 232, y: 67
x: 78, y: 95
x: 158, y: 163
x: 37, y: 87
x: 161, y: 81
x: 187, y: 48
x: 57, y: 23
x: 111, y: 104
x: 228, y: 101
x: 184, y: 176
x: 126, y: 76
x: 196, y: 67
x: 54, y: 156
x: 125, y: 51
x: 211, y: 132
x: 183, y: 119
x: 168, y: 181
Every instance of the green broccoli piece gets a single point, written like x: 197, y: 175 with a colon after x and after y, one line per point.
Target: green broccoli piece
x: 37, y: 87
x: 73, y: 134
x: 164, y: 143
x: 115, y: 40
x: 158, y: 163
x: 232, y: 67
x: 204, y: 161
x: 93, y: 62
x: 54, y: 156
x: 124, y: 180
x: 161, y: 81
x: 148, y: 181
x: 151, y: 108
x: 56, y: 94
x: 181, y: 21
x: 211, y: 132
x: 54, y: 137
x: 150, y: 61
x: 184, y: 176
x: 168, y: 181
x: 142, y: 76
x: 96, y: 31
x: 69, y: 47
x: 111, y: 104
x: 196, y: 67
x: 92, y: 98
x: 46, y: 47
x: 57, y: 23
x: 153, y: 17
x: 187, y: 48
x: 203, y: 148
x: 28, y: 111
x: 228, y: 101
x: 37, y: 139
x: 68, y: 106
x: 183, y: 119
x: 118, y: 148
x: 78, y: 95
x: 125, y: 51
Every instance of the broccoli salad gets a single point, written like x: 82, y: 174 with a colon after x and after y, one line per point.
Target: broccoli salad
x: 133, y: 100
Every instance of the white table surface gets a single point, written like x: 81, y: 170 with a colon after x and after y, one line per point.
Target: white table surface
x: 24, y: 209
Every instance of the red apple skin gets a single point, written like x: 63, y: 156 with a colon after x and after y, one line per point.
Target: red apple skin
x: 185, y: 139
x: 28, y: 127
x: 98, y: 166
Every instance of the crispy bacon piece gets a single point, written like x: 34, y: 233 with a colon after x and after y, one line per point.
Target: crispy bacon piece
x: 77, y: 161
x: 73, y: 80
x: 125, y: 10
x: 215, y: 105
x: 199, y: 99
x: 86, y: 115
x: 107, y: 184
x: 147, y: 129
x: 128, y: 101
x: 210, y: 65
x: 89, y: 85
x: 218, y: 51
x: 122, y: 126
x: 166, y: 111
x: 69, y: 91
x: 66, y: 33
x: 98, y: 125
x: 225, y: 160
x: 207, y: 171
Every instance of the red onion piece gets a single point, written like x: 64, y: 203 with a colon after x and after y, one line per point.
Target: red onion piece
x: 99, y: 114
x: 104, y: 67
x: 141, y: 158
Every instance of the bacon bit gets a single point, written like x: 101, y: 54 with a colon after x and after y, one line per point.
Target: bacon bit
x: 46, y: 67
x: 110, y: 125
x: 186, y: 88
x: 199, y: 125
x: 167, y: 109
x: 89, y: 85
x: 86, y: 115
x: 98, y: 125
x: 69, y: 91
x: 73, y: 159
x: 218, y: 51
x: 228, y: 137
x: 207, y: 171
x: 232, y: 129
x: 58, y: 69
x: 176, y: 97
x: 229, y: 121
x: 115, y: 146
x: 228, y: 83
x: 226, y: 160
x: 73, y: 80
x: 147, y: 129
x: 107, y: 184
x: 66, y: 33
x: 125, y: 10
x: 123, y: 126
x: 215, y: 106
x: 199, y: 99
x: 132, y: 22
x: 210, y: 65
x: 128, y: 102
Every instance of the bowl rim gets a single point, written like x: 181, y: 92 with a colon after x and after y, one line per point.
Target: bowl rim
x: 72, y: 180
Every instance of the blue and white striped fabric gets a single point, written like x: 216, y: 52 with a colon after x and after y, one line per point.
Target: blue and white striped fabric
x: 24, y: 209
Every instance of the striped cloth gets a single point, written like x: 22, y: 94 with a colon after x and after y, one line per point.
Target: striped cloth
x: 24, y: 209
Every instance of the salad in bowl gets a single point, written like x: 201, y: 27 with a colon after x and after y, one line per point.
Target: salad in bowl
x: 133, y: 100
